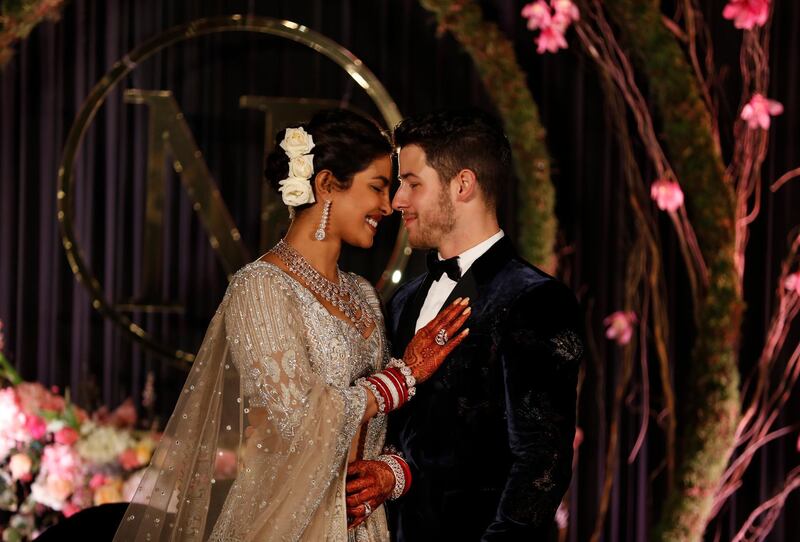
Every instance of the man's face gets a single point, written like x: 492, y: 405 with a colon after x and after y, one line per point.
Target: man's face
x: 423, y: 200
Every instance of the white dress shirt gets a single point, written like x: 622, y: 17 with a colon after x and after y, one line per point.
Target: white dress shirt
x: 441, y: 289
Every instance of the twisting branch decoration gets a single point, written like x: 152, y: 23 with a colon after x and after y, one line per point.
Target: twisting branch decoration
x: 674, y: 58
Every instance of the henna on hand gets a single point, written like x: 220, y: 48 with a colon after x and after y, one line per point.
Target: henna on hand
x: 423, y: 355
x: 367, y: 481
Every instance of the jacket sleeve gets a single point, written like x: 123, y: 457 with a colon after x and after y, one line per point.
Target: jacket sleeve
x: 541, y: 348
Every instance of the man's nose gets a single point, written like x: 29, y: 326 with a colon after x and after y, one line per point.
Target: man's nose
x: 399, y: 201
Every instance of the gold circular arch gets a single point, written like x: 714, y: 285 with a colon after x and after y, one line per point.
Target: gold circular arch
x: 201, y: 27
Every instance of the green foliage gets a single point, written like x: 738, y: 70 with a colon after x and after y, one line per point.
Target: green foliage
x: 712, y: 402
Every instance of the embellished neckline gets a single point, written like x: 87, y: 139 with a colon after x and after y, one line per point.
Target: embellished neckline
x: 349, y: 327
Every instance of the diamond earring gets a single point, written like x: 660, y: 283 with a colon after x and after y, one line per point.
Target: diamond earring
x: 323, y: 223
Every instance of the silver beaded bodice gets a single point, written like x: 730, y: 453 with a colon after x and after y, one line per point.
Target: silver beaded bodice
x: 345, y: 295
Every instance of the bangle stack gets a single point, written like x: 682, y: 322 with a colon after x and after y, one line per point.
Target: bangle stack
x: 392, y: 387
x: 402, y: 474
x: 400, y: 365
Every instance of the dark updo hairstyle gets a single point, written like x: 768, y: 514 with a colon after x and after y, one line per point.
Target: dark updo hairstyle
x: 344, y: 143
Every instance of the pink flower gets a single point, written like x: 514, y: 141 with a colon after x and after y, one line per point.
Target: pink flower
x: 97, y: 480
x: 566, y: 9
x: 66, y: 435
x: 552, y: 21
x: 36, y: 427
x: 124, y: 415
x: 747, y: 13
x: 70, y: 509
x: 34, y: 398
x: 20, y: 467
x: 758, y: 110
x: 62, y: 461
x: 551, y: 39
x: 538, y: 14
x: 619, y: 326
x: 667, y: 195
x: 129, y: 459
x: 792, y: 282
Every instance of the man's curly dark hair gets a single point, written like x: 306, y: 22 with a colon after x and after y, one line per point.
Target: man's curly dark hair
x: 455, y: 140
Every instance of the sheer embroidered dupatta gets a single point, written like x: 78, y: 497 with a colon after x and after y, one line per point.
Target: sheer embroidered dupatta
x: 256, y: 439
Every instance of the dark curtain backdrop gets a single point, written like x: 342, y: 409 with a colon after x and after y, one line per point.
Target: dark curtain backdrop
x: 54, y: 336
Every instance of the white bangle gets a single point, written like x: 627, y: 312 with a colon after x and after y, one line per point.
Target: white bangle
x: 390, y: 384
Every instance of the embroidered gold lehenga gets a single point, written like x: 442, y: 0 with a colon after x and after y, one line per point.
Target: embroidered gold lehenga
x: 258, y: 444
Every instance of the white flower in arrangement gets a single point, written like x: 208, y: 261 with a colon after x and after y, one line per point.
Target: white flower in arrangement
x: 54, y: 426
x: 296, y: 188
x: 296, y: 191
x: 297, y: 142
x: 102, y: 444
x: 301, y: 166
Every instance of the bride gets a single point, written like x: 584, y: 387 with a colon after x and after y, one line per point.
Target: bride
x: 293, y: 376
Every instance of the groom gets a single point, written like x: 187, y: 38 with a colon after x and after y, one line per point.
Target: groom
x: 488, y: 438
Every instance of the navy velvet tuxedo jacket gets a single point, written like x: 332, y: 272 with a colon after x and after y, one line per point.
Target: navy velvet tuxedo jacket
x: 489, y: 437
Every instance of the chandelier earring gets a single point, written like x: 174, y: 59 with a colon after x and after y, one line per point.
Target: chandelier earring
x: 323, y: 223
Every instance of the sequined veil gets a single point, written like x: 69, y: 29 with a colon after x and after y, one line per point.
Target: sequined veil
x: 257, y: 446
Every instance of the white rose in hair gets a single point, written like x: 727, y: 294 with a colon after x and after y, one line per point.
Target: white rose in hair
x: 301, y: 166
x: 297, y: 142
x: 296, y: 191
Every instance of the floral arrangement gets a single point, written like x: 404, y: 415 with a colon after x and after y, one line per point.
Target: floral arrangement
x: 296, y: 188
x: 56, y: 459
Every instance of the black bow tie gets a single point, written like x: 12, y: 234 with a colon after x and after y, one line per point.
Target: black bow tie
x: 437, y: 267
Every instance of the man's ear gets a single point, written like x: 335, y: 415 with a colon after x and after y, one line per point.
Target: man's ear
x: 324, y: 183
x: 465, y: 185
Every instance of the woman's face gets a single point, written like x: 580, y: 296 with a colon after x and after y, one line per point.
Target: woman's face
x: 357, y: 211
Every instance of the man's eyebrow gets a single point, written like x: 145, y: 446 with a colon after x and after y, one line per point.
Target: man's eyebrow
x: 403, y: 176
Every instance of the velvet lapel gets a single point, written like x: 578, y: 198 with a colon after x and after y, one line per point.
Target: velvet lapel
x: 466, y: 287
x: 482, y: 271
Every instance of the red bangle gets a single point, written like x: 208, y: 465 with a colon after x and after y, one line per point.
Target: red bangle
x: 399, y: 381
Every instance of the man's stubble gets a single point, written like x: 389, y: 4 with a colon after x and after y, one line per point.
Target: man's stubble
x: 437, y: 222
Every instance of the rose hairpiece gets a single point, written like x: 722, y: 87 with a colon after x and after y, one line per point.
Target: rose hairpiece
x: 296, y: 188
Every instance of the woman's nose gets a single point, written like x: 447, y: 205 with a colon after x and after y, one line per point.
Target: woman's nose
x: 386, y: 207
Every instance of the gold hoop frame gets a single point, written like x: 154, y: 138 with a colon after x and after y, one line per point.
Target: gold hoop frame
x: 201, y: 27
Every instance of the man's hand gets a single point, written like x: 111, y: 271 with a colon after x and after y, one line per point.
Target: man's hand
x: 367, y: 482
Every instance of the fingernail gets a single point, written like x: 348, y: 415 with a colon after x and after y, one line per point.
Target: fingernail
x: 466, y: 331
x: 465, y: 301
x: 457, y: 300
x: 467, y: 310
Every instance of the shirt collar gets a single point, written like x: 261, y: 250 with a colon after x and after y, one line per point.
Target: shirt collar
x: 468, y: 257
